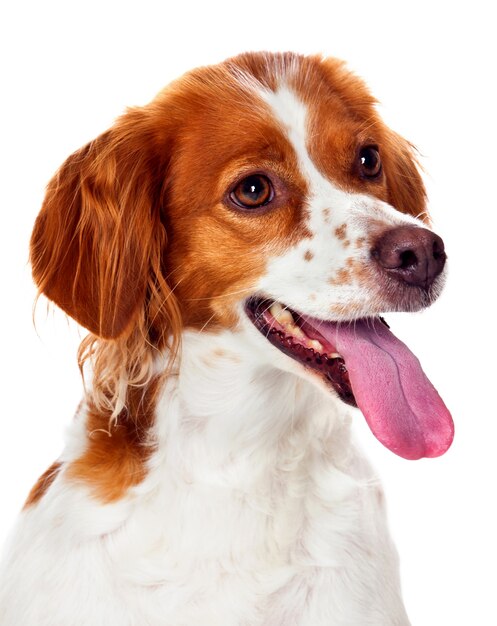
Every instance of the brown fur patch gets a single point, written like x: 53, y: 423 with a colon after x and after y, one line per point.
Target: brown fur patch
x: 360, y: 271
x: 341, y: 232
x: 346, y: 310
x: 219, y: 353
x: 341, y: 277
x: 308, y: 256
x: 356, y: 271
x: 116, y: 455
x: 42, y: 484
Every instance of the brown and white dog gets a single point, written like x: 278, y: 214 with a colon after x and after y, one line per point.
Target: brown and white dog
x: 230, y: 247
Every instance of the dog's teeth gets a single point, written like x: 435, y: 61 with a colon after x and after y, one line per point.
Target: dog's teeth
x: 295, y: 331
x: 281, y: 315
x: 285, y: 317
x: 315, y: 345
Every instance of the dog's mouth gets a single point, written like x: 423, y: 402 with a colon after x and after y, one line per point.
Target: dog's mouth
x: 368, y: 367
x: 302, y: 341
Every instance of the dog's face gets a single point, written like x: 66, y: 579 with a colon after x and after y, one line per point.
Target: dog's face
x: 264, y: 194
x: 282, y: 186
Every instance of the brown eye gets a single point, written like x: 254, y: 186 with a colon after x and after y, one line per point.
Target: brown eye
x: 252, y: 192
x: 369, y: 162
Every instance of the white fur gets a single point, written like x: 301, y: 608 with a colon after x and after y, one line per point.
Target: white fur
x: 257, y: 508
x: 254, y: 504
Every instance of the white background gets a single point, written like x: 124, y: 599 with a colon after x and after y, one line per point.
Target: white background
x: 68, y: 69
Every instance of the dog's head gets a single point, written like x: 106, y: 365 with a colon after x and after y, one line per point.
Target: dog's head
x: 266, y: 194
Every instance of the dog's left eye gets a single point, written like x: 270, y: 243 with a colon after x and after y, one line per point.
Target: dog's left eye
x: 369, y: 162
x: 252, y: 192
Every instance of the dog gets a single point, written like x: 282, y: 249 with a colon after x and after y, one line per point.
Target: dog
x: 231, y: 248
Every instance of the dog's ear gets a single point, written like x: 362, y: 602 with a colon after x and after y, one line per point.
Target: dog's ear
x: 406, y: 191
x: 99, y: 231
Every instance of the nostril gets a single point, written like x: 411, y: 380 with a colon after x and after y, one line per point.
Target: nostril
x: 408, y: 259
x: 438, y: 249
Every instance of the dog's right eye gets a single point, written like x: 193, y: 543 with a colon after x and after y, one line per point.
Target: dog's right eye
x: 252, y: 192
x: 369, y: 162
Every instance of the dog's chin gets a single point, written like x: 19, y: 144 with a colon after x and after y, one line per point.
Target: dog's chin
x: 394, y: 296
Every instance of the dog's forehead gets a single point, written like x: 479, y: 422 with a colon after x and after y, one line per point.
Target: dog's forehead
x: 298, y: 115
x: 295, y: 119
x: 294, y: 116
x: 251, y: 104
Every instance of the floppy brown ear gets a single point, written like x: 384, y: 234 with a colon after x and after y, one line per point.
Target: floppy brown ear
x: 99, y: 226
x: 406, y: 191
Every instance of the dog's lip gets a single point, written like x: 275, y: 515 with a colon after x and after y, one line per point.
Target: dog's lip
x: 385, y: 379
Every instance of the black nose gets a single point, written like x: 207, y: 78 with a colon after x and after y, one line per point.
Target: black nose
x: 412, y: 254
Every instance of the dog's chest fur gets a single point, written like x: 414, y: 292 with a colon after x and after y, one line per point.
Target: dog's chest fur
x: 257, y: 510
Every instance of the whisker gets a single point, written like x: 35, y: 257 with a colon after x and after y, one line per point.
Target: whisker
x: 207, y: 323
x: 221, y: 295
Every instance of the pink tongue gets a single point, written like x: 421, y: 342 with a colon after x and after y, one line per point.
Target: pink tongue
x: 400, y: 404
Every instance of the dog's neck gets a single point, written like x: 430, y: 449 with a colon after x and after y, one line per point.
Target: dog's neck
x: 230, y: 410
x: 249, y: 448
